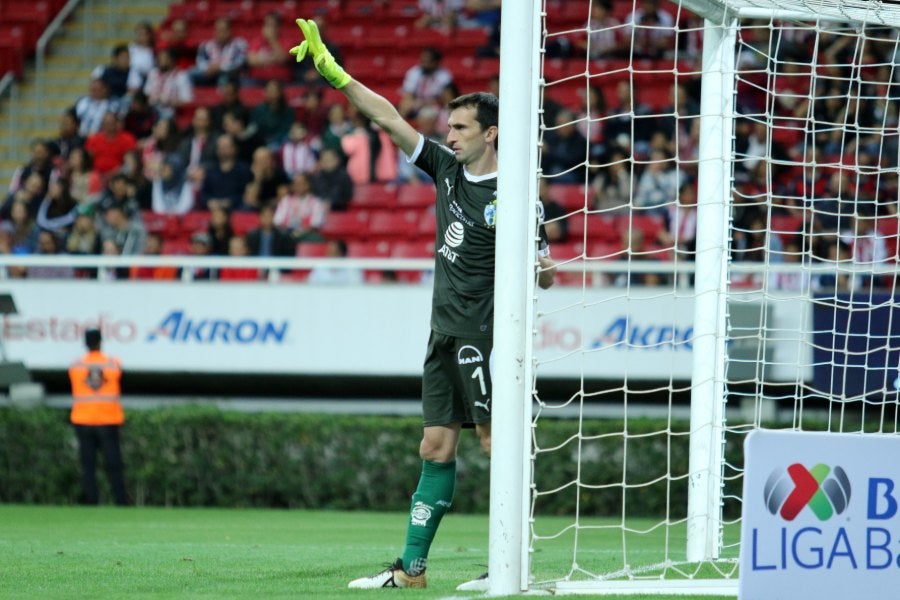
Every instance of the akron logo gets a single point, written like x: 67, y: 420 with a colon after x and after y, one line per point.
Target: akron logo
x: 825, y: 490
x: 454, y: 234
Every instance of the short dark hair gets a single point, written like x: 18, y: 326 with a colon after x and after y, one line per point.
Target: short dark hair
x: 486, y: 107
x: 92, y: 338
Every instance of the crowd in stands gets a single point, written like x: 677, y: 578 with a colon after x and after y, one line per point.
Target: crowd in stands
x: 202, y: 136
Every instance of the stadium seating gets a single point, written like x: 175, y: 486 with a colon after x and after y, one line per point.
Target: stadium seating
x: 21, y: 24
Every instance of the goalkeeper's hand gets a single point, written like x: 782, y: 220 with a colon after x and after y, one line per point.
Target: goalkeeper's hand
x: 322, y: 58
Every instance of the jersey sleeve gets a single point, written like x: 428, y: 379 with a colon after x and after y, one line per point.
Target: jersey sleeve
x: 432, y: 157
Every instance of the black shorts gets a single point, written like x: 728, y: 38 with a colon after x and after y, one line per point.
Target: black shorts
x: 456, y: 385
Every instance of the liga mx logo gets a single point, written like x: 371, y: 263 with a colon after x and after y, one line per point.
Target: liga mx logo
x: 825, y: 490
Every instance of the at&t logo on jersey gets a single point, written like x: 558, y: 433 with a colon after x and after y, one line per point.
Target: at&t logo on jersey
x: 453, y: 237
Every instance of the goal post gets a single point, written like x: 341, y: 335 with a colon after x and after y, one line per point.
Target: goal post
x: 737, y: 271
x: 710, y: 288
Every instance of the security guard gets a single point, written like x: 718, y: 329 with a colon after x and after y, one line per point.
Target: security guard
x: 97, y: 416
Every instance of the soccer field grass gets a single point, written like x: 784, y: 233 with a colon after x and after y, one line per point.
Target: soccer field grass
x: 108, y: 552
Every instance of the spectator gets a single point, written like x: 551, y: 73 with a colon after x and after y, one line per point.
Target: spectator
x: 237, y: 247
x: 23, y: 230
x: 111, y: 248
x: 84, y: 237
x: 639, y: 250
x: 119, y: 193
x: 199, y: 145
x: 300, y: 211
x: 120, y: 80
x: 589, y: 120
x: 91, y: 109
x: 267, y: 58
x: 652, y: 31
x: 175, y: 40
x: 219, y: 231
x: 482, y: 13
x: 440, y: 14
x: 266, y: 183
x: 299, y: 152
x: 68, y: 137
x: 40, y: 163
x: 97, y: 416
x: 337, y: 125
x: 604, y: 33
x: 556, y: 226
x: 86, y: 185
x: 48, y: 244
x: 168, y: 87
x: 141, y: 51
x: 138, y: 185
x: 565, y: 151
x: 628, y: 118
x: 162, y: 142
x: 312, y: 113
x: 336, y: 275
x: 127, y: 232
x: 154, y: 247
x: 229, y: 99
x: 221, y: 58
x: 140, y: 117
x: 31, y: 193
x: 58, y: 209
x: 236, y: 123
x: 428, y: 124
x: 659, y: 183
x: 612, y: 185
x: 868, y: 248
x: 200, y: 247
x: 225, y: 179
x: 331, y: 182
x: 109, y: 145
x: 269, y: 239
x: 681, y: 223
x: 791, y: 281
x: 361, y: 145
x: 173, y: 193
x: 423, y: 82
x: 273, y: 117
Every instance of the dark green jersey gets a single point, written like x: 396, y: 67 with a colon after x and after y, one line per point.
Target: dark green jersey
x: 462, y: 303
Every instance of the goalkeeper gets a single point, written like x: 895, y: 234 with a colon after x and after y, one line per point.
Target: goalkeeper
x: 456, y: 385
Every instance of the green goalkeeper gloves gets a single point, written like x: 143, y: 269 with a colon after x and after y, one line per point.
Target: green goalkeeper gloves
x: 322, y: 58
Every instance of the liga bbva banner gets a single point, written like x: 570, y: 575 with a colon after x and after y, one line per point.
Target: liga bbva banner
x: 210, y: 327
x: 820, y: 516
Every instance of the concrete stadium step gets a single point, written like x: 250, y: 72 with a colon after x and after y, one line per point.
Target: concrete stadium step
x: 84, y: 42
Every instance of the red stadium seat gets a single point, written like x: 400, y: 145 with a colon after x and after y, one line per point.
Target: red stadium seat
x: 593, y: 227
x: 570, y: 196
x: 243, y: 221
x: 194, y: 221
x: 650, y: 225
x: 413, y: 249
x: 373, y: 249
x: 375, y: 195
x: 427, y: 225
x: 164, y: 225
x: 346, y: 225
x: 416, y: 195
x: 312, y: 249
x: 390, y: 224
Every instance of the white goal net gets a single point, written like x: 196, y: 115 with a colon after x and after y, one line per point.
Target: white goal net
x: 721, y: 189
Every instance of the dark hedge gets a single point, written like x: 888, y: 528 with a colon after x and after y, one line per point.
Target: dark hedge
x: 202, y: 456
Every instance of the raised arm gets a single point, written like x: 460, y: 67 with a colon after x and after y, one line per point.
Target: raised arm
x: 374, y: 106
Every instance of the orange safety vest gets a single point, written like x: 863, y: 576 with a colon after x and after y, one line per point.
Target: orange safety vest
x: 96, y: 390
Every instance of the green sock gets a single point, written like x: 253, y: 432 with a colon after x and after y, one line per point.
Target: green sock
x: 429, y: 503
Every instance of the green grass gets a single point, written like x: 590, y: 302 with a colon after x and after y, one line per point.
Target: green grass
x: 105, y: 552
